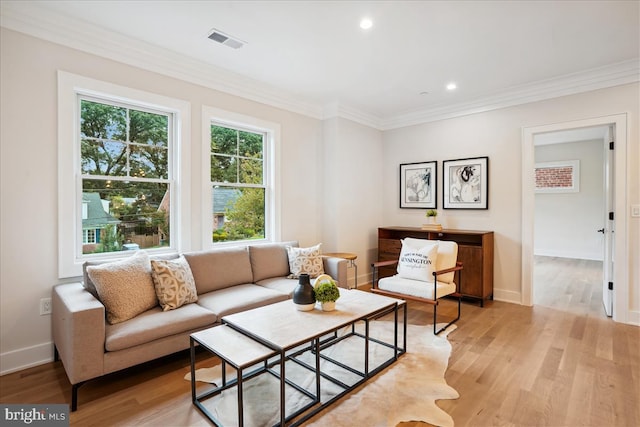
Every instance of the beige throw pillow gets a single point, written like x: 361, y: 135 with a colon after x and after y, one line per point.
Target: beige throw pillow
x: 174, y: 283
x: 125, y: 287
x: 305, y: 260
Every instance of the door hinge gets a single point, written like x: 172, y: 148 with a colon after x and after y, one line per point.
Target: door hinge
x: 610, y: 216
x: 610, y: 286
x: 611, y: 145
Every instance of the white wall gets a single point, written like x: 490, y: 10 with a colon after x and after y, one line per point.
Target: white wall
x: 498, y: 135
x: 29, y: 171
x: 352, y: 191
x: 566, y: 223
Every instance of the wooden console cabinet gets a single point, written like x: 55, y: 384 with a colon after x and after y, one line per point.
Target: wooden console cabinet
x: 475, y: 251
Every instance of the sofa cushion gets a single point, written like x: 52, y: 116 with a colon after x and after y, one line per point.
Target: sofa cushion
x: 305, y: 260
x: 88, y: 283
x: 220, y: 268
x: 270, y: 260
x: 417, y: 288
x: 155, y: 324
x: 173, y: 282
x: 125, y: 286
x: 282, y: 285
x: 239, y: 298
x: 417, y: 260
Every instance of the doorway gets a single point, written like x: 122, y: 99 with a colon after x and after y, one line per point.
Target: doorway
x: 570, y: 221
x: 618, y: 222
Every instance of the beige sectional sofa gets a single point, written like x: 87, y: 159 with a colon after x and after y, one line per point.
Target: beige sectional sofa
x: 227, y: 280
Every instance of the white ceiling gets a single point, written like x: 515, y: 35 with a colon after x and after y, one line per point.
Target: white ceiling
x: 315, y: 54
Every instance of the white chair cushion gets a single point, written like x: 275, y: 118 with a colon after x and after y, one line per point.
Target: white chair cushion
x: 447, y: 255
x: 418, y: 260
x: 416, y: 288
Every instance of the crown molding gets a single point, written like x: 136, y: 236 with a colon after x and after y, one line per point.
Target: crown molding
x: 337, y: 109
x: 584, y: 81
x: 79, y: 35
x: 56, y: 28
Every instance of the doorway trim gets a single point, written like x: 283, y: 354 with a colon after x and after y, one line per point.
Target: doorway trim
x: 621, y: 249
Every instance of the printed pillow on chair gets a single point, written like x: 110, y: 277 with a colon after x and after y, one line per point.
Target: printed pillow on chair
x: 417, y: 261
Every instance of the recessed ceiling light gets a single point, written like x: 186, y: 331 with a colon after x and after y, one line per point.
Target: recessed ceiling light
x: 366, y: 23
x: 452, y: 86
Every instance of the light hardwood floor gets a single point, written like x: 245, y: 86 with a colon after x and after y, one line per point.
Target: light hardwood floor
x: 572, y: 285
x: 512, y: 365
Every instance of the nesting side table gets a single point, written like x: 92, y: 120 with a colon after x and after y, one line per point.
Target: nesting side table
x: 233, y: 348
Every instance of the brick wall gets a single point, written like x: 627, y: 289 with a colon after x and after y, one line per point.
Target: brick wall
x: 554, y: 177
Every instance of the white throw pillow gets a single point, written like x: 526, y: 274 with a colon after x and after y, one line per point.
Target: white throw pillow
x: 305, y: 260
x: 417, y: 262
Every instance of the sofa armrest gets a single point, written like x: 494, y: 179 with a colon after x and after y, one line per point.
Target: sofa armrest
x: 78, y: 321
x: 336, y: 268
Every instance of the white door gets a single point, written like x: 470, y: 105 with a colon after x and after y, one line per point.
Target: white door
x: 609, y: 236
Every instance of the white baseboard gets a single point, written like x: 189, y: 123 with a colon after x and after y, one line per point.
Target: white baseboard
x: 507, y: 296
x: 17, y: 360
x: 634, y: 318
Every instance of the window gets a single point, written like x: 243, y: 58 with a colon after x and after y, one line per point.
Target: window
x: 237, y: 177
x: 125, y: 174
x: 120, y: 165
x: 241, y: 178
x: 89, y: 236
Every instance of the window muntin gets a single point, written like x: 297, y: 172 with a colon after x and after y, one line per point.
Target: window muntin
x: 238, y: 182
x: 125, y: 175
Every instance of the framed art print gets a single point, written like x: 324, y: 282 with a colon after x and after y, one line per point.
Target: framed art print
x: 418, y: 185
x: 466, y: 183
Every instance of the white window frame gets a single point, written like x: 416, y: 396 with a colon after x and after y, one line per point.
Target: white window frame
x: 70, y: 87
x: 271, y: 155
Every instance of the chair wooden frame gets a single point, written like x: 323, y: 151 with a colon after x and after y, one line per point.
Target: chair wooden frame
x: 458, y: 268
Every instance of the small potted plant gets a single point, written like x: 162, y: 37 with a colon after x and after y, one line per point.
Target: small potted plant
x: 431, y: 215
x: 327, y: 293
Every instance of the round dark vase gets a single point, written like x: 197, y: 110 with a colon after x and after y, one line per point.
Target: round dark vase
x: 303, y: 296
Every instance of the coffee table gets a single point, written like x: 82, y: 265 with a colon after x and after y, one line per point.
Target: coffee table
x: 282, y: 330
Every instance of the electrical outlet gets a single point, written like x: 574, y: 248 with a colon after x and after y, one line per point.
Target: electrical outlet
x: 635, y: 211
x: 45, y: 306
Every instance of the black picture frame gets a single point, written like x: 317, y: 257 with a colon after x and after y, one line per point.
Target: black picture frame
x: 465, y: 183
x: 418, y: 189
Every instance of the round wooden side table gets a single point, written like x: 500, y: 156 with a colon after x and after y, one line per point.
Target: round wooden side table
x: 351, y: 257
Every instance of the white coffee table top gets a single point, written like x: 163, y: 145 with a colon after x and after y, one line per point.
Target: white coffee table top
x: 282, y: 326
x: 232, y: 346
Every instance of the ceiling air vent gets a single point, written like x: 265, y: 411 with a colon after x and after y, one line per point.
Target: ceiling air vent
x: 225, y: 39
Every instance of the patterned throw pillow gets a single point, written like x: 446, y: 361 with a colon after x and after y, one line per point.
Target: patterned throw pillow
x: 125, y: 287
x: 174, y: 283
x: 305, y: 260
x: 417, y: 262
